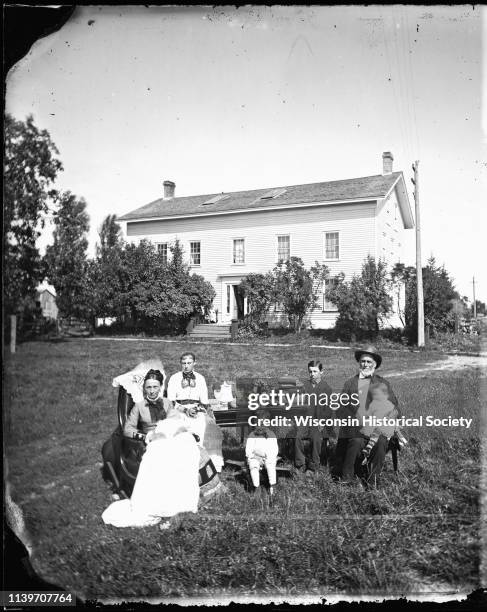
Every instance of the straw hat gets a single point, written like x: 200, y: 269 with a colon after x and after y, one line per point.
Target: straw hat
x: 369, y: 350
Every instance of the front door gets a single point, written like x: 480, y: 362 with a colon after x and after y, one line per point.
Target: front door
x: 229, y: 303
x: 239, y: 302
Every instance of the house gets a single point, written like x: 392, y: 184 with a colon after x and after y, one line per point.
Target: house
x: 46, y: 296
x: 229, y: 235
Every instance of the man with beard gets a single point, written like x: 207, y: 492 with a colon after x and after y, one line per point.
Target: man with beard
x: 351, y: 439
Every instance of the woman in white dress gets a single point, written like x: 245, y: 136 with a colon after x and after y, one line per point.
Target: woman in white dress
x: 167, y: 481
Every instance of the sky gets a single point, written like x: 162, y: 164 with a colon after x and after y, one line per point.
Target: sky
x: 226, y: 99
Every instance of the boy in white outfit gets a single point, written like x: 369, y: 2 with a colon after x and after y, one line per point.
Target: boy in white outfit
x: 261, y: 450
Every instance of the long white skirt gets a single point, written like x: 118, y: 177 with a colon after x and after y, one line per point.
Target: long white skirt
x: 166, y: 484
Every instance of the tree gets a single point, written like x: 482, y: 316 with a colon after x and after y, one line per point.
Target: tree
x: 186, y: 294
x: 439, y: 298
x: 297, y: 288
x: 105, y: 272
x: 110, y: 234
x: 66, y: 259
x: 480, y: 307
x: 30, y: 169
x: 364, y: 302
x: 159, y: 295
x: 259, y: 289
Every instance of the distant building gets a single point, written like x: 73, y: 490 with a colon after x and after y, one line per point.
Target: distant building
x: 229, y: 235
x: 46, y: 296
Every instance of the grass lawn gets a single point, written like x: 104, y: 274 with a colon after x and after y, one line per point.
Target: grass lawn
x: 418, y: 532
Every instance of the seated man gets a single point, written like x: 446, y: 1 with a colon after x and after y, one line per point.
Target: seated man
x: 353, y: 439
x: 317, y: 389
x: 149, y: 409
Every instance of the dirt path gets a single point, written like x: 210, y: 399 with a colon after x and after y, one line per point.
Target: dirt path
x: 452, y: 363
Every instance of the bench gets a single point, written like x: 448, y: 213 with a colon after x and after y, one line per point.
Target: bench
x: 238, y: 417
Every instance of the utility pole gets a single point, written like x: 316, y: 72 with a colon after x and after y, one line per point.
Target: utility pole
x: 419, y: 269
x: 474, y: 303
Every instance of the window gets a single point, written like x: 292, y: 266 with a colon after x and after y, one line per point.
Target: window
x: 283, y: 248
x: 217, y: 198
x: 332, y: 246
x: 162, y: 251
x: 274, y: 193
x: 329, y: 284
x: 239, y: 251
x: 195, y: 253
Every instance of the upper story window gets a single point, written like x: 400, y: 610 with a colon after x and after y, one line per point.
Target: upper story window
x: 239, y: 250
x: 332, y: 245
x: 162, y: 251
x: 195, y: 253
x: 283, y: 248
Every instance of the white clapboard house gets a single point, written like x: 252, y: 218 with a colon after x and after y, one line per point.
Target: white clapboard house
x: 229, y: 235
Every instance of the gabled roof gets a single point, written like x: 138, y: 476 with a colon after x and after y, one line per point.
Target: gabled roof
x: 45, y: 286
x: 336, y: 192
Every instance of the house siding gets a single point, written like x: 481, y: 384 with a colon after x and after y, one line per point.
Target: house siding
x: 390, y: 248
x: 48, y: 304
x: 390, y: 231
x: 306, y: 227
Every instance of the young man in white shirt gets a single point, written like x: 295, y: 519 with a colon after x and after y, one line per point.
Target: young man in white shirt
x: 188, y: 391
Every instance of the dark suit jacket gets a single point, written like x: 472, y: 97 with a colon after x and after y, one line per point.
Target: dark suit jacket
x: 317, y: 410
x: 351, y: 386
x: 139, y: 418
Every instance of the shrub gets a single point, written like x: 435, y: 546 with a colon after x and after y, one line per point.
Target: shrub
x: 364, y: 302
x: 250, y: 329
x: 297, y: 289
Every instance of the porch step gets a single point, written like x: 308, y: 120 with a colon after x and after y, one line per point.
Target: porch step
x: 209, y: 330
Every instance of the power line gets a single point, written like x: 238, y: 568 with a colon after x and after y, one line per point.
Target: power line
x: 413, y: 88
x: 402, y: 85
x: 393, y: 81
x: 407, y: 85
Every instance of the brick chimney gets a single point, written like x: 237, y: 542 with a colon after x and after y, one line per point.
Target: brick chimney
x: 169, y: 188
x: 387, y: 160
